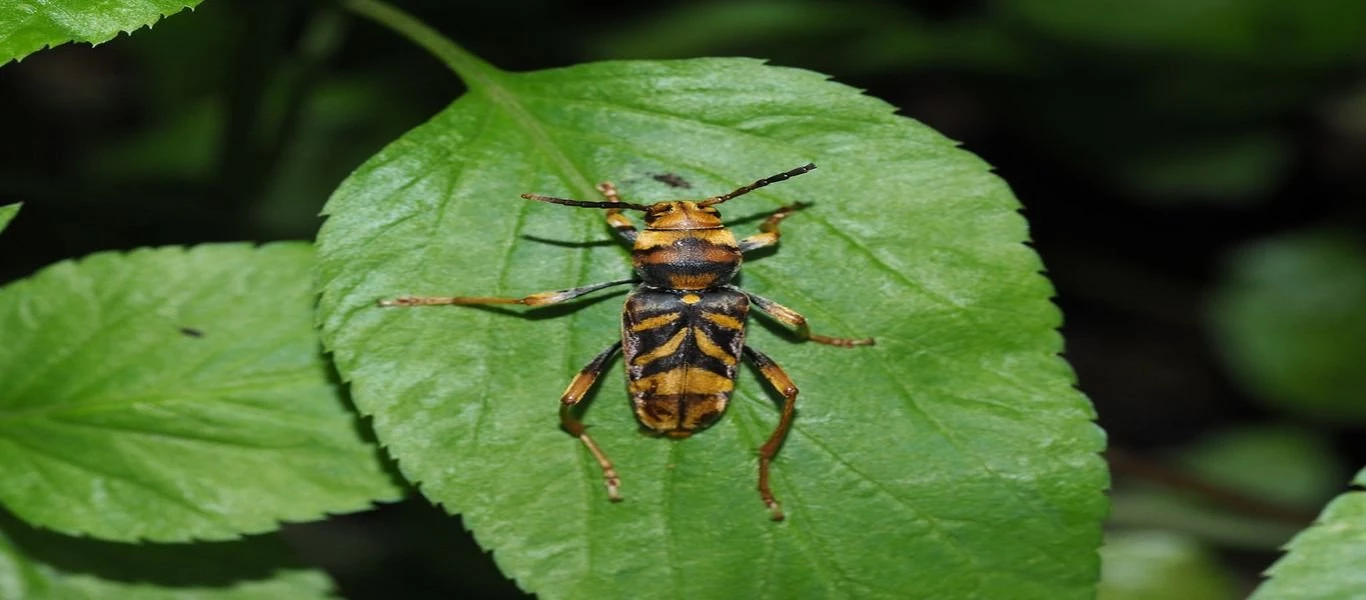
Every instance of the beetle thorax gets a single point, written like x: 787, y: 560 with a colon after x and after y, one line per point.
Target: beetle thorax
x: 685, y: 247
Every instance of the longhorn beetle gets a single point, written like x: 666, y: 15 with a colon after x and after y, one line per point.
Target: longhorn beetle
x: 683, y: 326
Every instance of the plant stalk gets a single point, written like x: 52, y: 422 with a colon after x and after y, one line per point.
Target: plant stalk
x: 476, y: 73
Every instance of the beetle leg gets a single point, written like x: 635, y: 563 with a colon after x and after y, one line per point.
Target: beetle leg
x: 539, y: 299
x: 775, y: 377
x: 578, y: 388
x: 794, y: 319
x: 625, y: 229
x: 768, y: 230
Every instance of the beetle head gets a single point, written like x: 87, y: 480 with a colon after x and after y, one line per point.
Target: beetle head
x: 680, y: 215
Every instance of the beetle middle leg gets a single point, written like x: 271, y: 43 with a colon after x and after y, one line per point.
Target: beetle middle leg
x: 775, y: 377
x: 622, y: 225
x: 538, y: 299
x: 796, y: 320
x: 578, y: 388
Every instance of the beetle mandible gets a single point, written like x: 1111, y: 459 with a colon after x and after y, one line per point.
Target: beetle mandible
x: 683, y: 326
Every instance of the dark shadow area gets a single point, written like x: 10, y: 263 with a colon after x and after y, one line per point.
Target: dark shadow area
x: 198, y: 564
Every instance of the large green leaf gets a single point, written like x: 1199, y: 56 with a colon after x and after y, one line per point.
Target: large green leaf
x: 1324, y: 562
x: 27, y: 27
x: 40, y: 565
x: 953, y: 459
x: 7, y: 214
x: 172, y: 394
x: 1290, y: 316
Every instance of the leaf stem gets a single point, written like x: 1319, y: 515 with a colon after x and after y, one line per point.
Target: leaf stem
x: 480, y: 77
x: 474, y: 72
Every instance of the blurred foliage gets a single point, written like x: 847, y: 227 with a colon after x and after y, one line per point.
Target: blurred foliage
x: 1147, y: 565
x: 1267, y: 33
x: 1290, y: 316
x: 1277, y: 463
x: 1293, y: 470
x: 1169, y: 98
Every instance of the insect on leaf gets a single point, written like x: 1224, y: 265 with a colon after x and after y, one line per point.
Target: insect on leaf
x: 953, y: 459
x: 27, y: 27
x: 172, y: 394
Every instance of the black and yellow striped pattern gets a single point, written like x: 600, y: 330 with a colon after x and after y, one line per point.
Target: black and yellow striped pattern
x: 682, y: 350
x: 685, y: 248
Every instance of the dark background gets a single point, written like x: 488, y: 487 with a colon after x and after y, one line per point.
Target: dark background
x: 1165, y: 152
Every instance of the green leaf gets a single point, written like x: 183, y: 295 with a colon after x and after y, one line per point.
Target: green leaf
x: 1289, y: 318
x: 1324, y: 561
x: 908, y: 460
x: 26, y: 27
x: 37, y: 565
x: 7, y: 214
x: 171, y: 394
x: 1140, y: 565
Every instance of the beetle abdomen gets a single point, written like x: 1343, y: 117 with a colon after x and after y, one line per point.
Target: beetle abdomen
x: 681, y: 351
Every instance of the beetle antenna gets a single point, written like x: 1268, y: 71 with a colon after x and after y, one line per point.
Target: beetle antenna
x: 582, y: 204
x: 714, y: 200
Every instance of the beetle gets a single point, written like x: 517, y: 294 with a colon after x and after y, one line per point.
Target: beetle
x: 683, y: 326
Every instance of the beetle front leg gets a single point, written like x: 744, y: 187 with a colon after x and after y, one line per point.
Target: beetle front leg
x: 768, y: 230
x: 775, y: 377
x: 539, y: 299
x: 578, y: 388
x: 622, y: 225
x: 795, y: 320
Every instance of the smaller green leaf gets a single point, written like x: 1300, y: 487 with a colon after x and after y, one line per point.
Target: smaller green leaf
x: 37, y: 565
x: 173, y: 394
x: 1291, y: 319
x: 26, y: 27
x: 7, y: 214
x: 1138, y: 565
x: 1324, y: 562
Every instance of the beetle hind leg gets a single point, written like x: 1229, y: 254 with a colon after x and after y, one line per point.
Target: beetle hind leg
x: 577, y: 390
x: 775, y: 377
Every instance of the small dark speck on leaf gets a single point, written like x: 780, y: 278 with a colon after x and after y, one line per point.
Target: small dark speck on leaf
x: 190, y: 332
x: 672, y: 180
